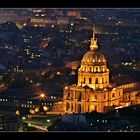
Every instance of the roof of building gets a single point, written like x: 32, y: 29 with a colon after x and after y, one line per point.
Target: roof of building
x: 93, y: 57
x: 123, y: 79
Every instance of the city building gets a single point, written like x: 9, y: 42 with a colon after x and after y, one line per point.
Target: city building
x: 10, y: 123
x: 72, y: 65
x: 94, y: 91
x: 12, y: 103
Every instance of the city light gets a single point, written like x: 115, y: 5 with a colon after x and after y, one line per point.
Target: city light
x: 32, y: 111
x: 29, y: 124
x: 48, y: 121
x: 37, y: 109
x: 66, y: 87
x: 45, y: 108
x: 69, y: 69
x: 23, y: 118
x: 42, y: 95
x: 17, y: 112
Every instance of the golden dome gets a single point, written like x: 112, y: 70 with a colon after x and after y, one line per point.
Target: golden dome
x: 93, y: 58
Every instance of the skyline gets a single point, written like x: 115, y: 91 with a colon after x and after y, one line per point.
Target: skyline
x: 60, y: 65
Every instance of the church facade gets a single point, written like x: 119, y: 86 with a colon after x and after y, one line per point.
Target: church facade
x: 94, y: 92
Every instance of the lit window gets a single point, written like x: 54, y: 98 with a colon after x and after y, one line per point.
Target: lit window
x: 0, y: 99
x: 3, y: 99
x: 30, y: 102
x: 22, y: 105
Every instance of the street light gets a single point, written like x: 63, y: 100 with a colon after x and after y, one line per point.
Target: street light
x: 37, y: 109
x: 45, y: 108
x: 17, y: 113
x: 42, y: 95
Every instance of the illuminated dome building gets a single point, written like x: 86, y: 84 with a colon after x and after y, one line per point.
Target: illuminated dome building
x: 93, y: 71
x: 94, y: 92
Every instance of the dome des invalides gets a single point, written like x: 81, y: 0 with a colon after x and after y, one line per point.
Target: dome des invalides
x: 94, y: 92
x: 93, y: 71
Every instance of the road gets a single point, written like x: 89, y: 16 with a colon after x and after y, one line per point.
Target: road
x: 38, y: 127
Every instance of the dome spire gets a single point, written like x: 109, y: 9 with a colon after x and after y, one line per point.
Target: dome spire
x: 93, y: 44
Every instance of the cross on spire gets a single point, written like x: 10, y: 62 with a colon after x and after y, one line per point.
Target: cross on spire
x: 93, y: 44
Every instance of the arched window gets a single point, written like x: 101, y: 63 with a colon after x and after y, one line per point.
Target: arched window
x: 95, y: 97
x: 90, y: 69
x: 84, y: 79
x: 96, y: 81
x: 103, y: 80
x: 79, y: 108
x: 90, y: 80
x: 95, y: 108
x: 67, y: 106
x: 96, y: 69
x: 80, y: 96
x: 113, y: 95
x: 84, y: 68
x: 71, y: 107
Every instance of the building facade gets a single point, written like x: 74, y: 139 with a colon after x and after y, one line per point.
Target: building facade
x: 94, y: 92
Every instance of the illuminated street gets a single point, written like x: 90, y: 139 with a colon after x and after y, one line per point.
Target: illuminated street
x: 40, y: 122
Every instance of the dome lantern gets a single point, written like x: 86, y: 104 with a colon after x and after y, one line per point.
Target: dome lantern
x: 93, y: 44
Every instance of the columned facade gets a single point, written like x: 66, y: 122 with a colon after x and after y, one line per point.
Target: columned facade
x: 93, y: 91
